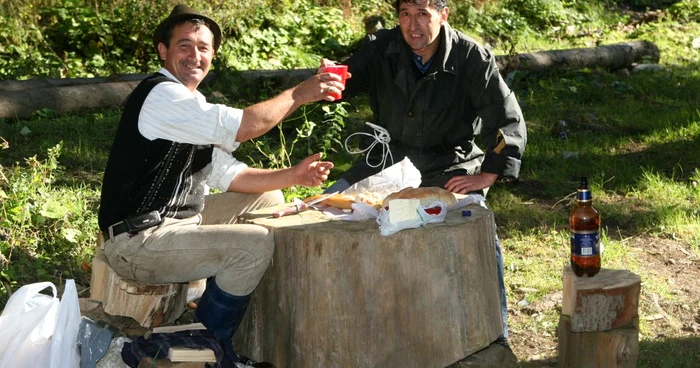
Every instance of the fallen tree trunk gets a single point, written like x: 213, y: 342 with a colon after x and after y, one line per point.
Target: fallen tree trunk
x: 22, y: 104
x: 613, y: 57
x: 22, y: 85
x: 19, y: 99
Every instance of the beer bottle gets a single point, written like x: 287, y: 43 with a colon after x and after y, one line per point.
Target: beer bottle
x: 584, y: 223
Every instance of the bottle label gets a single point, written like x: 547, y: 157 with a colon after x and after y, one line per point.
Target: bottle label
x: 585, y: 243
x: 584, y: 195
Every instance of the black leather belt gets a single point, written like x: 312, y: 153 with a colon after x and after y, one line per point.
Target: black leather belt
x: 133, y: 224
x: 117, y: 229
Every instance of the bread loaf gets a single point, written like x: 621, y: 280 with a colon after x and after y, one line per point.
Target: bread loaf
x: 345, y: 201
x: 342, y: 201
x: 425, y: 195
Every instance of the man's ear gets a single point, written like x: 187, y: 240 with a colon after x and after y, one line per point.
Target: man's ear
x: 444, y: 13
x: 162, y: 50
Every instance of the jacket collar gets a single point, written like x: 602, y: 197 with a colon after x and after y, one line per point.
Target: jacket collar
x: 401, y: 53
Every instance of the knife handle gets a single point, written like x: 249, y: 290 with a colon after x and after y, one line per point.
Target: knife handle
x: 290, y: 210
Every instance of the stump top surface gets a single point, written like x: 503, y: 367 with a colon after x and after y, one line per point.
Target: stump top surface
x: 607, y: 278
x: 312, y: 220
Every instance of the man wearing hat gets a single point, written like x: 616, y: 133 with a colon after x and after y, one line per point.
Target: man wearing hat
x: 170, y: 147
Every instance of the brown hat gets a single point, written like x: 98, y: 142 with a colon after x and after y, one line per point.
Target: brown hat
x: 183, y: 12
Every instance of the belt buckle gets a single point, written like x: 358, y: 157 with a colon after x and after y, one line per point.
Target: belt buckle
x: 110, y: 230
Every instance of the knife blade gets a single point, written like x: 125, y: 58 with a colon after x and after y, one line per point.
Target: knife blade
x: 301, y: 206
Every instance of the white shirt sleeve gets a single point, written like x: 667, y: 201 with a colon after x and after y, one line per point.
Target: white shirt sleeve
x: 173, y: 112
x: 224, y: 168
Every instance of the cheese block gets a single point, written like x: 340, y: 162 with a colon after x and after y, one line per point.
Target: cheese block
x: 403, y: 210
x: 426, y: 196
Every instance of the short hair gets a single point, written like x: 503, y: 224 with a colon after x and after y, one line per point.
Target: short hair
x: 197, y: 22
x: 438, y: 4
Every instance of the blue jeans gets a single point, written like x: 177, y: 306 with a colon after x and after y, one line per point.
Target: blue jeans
x: 501, y: 287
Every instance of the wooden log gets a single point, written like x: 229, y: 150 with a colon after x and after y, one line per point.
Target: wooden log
x: 338, y: 294
x: 150, y: 305
x: 22, y: 104
x: 603, y: 302
x: 616, y: 56
x: 20, y: 99
x: 23, y: 85
x: 613, y: 348
x: 99, y: 276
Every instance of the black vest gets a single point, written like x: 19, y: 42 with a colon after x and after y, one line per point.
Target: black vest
x: 143, y: 175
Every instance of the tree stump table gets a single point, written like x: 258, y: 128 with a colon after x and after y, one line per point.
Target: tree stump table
x: 339, y: 294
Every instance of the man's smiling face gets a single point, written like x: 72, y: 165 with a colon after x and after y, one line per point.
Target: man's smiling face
x: 420, y: 26
x: 190, y: 53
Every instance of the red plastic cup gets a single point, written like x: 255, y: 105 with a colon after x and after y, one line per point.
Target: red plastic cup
x: 342, y: 71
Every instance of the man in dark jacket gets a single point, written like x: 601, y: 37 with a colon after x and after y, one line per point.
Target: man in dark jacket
x: 434, y: 89
x: 170, y: 147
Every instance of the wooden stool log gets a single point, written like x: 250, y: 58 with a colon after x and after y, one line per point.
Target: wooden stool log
x: 150, y: 305
x: 612, y: 348
x: 605, y: 301
x: 338, y: 294
x: 599, y: 322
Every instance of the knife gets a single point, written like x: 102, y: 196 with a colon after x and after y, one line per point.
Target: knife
x: 301, y: 206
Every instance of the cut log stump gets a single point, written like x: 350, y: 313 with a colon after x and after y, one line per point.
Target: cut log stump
x: 613, y: 348
x: 339, y: 294
x: 149, y: 305
x: 599, y: 322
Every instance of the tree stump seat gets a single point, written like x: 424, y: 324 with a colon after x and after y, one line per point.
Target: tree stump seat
x: 339, y: 294
x: 151, y: 305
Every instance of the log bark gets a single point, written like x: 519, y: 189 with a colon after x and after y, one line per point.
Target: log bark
x: 616, y: 56
x: 19, y: 99
x: 23, y: 85
x: 22, y: 104
x: 612, y: 348
x: 338, y: 294
x: 603, y: 302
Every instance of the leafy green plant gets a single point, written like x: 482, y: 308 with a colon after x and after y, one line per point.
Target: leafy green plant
x: 47, y: 232
x: 298, y: 36
x: 302, y: 136
x: 685, y: 10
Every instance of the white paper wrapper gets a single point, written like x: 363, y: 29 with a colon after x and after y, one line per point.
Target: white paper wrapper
x: 392, y: 179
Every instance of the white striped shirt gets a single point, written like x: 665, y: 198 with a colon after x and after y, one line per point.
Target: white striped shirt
x: 172, y: 112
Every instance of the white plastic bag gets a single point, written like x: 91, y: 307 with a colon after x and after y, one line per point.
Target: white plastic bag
x: 26, y: 326
x: 387, y: 228
x: 64, y: 342
x: 392, y: 179
x: 38, y: 330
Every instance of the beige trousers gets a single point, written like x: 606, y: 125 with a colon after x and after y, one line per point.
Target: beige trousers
x: 211, y: 244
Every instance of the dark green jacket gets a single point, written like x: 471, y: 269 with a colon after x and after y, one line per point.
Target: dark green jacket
x: 433, y: 117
